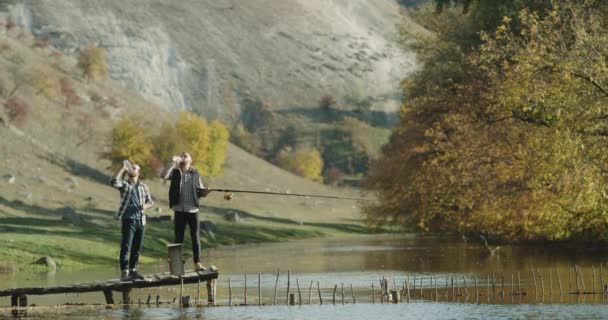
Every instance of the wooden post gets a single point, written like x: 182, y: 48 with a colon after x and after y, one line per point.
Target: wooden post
x: 452, y: 280
x: 559, y: 282
x: 602, y: 277
x: 534, y: 279
x: 157, y: 299
x: 274, y: 298
x: 148, y: 299
x: 414, y: 286
x: 23, y: 300
x: 292, y: 299
x: 593, y: 279
x: 373, y: 293
x: 181, y: 290
x: 333, y: 300
x: 381, y: 290
x: 542, y: 282
x: 245, y: 291
x: 488, y: 286
x: 518, y: 284
x: 407, y: 288
x: 126, y: 296
x: 14, y: 300
x: 211, y: 291
x: 582, y: 280
x: 569, y: 280
x: 512, y: 284
x: 198, y: 291
x: 288, y: 284
x: 310, y: 293
x: 229, y: 292
x: 436, y: 291
x: 550, y: 282
x: 421, y: 277
x: 352, y: 292
x: 466, y: 290
x: 493, y: 284
x: 185, y: 301
x: 260, y: 289
x: 319, y: 292
x: 342, y: 286
x: 502, y: 283
x: 476, y: 288
x: 576, y: 279
x: 395, y: 296
x: 299, y: 292
x: 108, y: 295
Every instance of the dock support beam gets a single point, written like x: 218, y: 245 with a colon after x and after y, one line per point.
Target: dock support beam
x: 211, y: 290
x: 126, y: 296
x: 108, y: 295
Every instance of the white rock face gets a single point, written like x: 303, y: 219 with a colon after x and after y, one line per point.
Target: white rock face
x: 206, y: 55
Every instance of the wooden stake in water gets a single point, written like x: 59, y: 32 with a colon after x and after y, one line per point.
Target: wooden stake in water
x: 559, y: 282
x: 436, y: 291
x: 582, y: 280
x: 493, y: 284
x: 518, y: 283
x: 421, y: 276
x: 259, y: 289
x: 476, y: 288
x: 593, y: 279
x: 452, y: 281
x: 542, y: 282
x: 299, y: 292
x: 488, y: 286
x: 602, y: 277
x: 245, y: 291
x: 310, y: 293
x: 229, y: 292
x: 550, y: 282
x: 352, y: 292
x: 446, y: 285
x: 414, y: 286
x: 576, y: 279
x: 276, y: 283
x: 407, y: 288
x: 466, y: 290
x: 181, y: 291
x: 319, y: 292
x: 534, y: 279
x: 373, y: 294
x: 342, y: 287
x: 502, y: 283
x: 288, y: 279
x: 333, y: 300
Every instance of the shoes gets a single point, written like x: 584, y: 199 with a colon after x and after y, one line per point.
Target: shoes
x: 134, y: 275
x: 124, y: 275
x: 199, y: 267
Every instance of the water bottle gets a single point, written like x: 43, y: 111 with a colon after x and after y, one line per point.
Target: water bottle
x: 128, y: 165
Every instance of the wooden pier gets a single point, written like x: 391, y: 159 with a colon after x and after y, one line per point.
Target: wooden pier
x: 19, y: 295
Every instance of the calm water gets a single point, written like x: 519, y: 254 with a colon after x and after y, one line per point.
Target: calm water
x: 357, y: 262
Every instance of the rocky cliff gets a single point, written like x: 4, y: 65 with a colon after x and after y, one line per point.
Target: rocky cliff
x: 208, y: 55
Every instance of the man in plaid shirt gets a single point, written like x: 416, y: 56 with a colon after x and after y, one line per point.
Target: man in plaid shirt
x: 134, y: 199
x: 185, y: 189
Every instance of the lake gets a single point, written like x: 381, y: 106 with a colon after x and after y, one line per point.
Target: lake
x: 349, y: 266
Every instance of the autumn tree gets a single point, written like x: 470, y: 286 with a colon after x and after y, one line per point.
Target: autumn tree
x: 92, y: 62
x: 127, y: 140
x: 45, y: 81
x: 305, y: 162
x: 502, y: 134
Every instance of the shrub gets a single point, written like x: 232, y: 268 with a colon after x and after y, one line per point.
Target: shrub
x: 44, y: 81
x: 326, y: 102
x: 307, y: 163
x: 334, y: 176
x: 70, y: 95
x: 92, y: 61
x: 17, y: 110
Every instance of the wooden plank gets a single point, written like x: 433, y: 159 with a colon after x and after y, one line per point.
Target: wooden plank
x: 116, y: 285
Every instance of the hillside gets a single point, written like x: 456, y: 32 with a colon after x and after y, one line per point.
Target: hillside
x: 210, y: 55
x: 55, y: 198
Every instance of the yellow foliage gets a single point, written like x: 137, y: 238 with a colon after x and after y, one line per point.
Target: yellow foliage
x: 45, y: 81
x: 305, y: 163
x: 92, y: 61
x: 128, y: 141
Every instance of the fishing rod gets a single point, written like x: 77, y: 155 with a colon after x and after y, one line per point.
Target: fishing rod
x: 283, y: 194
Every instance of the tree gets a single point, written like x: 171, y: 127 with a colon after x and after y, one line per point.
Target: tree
x: 219, y: 136
x: 69, y: 94
x: 92, y: 61
x: 505, y: 137
x: 127, y: 140
x: 17, y: 110
x: 307, y: 163
x: 194, y: 131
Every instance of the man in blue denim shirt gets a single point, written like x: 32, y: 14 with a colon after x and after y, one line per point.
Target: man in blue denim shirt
x: 135, y: 198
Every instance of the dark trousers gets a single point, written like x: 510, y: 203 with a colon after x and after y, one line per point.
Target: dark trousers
x: 182, y: 219
x: 132, y: 238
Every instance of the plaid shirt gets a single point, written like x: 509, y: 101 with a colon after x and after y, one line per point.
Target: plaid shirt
x: 187, y: 202
x: 125, y: 188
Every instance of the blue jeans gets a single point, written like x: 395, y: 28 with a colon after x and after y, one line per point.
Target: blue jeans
x: 132, y: 238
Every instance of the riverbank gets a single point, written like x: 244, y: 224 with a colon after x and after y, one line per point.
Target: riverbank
x: 96, y: 242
